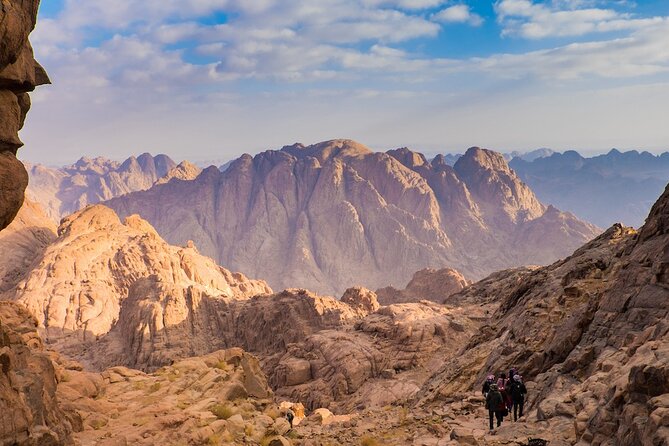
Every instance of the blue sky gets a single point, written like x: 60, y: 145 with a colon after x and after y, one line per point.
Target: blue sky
x: 211, y: 79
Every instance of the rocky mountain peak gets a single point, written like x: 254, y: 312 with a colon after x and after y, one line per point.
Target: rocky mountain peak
x: 92, y: 218
x: 326, y: 150
x: 497, y: 187
x: 476, y: 158
x: 657, y: 222
x: 407, y: 157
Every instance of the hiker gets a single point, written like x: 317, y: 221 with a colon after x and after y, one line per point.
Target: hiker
x: 518, y: 392
x: 494, y: 402
x: 512, y: 373
x: 290, y: 416
x: 501, y: 382
x: 502, y: 387
x: 486, y: 384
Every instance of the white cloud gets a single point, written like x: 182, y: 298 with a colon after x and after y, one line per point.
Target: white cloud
x: 562, y: 18
x: 644, y: 52
x: 458, y: 14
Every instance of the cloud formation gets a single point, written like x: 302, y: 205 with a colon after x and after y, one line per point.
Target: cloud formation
x: 118, y: 63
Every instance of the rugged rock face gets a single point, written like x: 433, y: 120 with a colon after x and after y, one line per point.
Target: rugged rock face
x: 63, y: 191
x: 77, y: 287
x: 426, y: 284
x: 23, y: 242
x: 19, y: 74
x: 29, y: 410
x: 183, y: 171
x: 381, y: 359
x: 157, y: 326
x: 590, y: 331
x: 335, y: 214
x: 320, y: 351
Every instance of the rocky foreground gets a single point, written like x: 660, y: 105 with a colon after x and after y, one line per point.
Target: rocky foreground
x: 589, y: 333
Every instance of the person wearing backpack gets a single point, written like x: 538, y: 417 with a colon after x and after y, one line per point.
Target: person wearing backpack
x: 494, y: 402
x: 486, y: 385
x: 518, y: 392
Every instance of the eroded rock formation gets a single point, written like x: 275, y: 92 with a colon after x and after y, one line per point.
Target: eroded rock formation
x: 333, y: 215
x: 23, y: 242
x: 19, y: 74
x: 77, y: 287
x: 426, y: 284
x: 29, y: 411
x: 590, y: 331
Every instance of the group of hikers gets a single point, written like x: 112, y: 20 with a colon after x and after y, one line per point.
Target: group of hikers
x: 503, y: 396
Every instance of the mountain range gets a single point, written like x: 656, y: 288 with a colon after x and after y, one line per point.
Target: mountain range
x: 336, y: 214
x: 604, y: 189
x: 62, y: 191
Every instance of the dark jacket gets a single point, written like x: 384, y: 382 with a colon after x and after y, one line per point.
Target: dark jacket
x: 494, y: 400
x: 518, y: 391
x: 486, y: 387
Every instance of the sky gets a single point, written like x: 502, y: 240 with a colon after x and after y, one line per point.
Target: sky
x: 212, y: 79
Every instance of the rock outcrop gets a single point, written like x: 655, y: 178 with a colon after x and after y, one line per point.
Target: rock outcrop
x: 333, y: 215
x: 23, y: 242
x: 221, y: 398
x: 590, y: 332
x: 183, y: 171
x: 78, y: 286
x: 29, y: 410
x: 63, y: 191
x: 426, y: 284
x: 19, y: 74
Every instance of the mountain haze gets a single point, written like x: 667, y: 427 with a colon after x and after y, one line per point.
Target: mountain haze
x: 63, y: 191
x: 604, y: 189
x: 336, y: 214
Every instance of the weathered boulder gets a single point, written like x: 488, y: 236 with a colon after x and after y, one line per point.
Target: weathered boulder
x: 19, y: 74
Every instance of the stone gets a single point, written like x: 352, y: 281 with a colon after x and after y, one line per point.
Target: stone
x: 397, y: 213
x: 19, y: 73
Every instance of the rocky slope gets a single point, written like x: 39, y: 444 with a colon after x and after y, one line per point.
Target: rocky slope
x: 22, y: 242
x: 590, y: 332
x: 62, y: 191
x: 29, y: 410
x: 336, y: 214
x: 604, y: 189
x: 426, y: 284
x: 19, y: 74
x: 77, y: 287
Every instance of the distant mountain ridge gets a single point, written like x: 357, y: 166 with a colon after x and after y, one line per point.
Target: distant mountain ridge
x: 62, y: 191
x: 336, y: 214
x: 604, y: 189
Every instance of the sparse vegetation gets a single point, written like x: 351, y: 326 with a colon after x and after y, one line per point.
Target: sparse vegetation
x: 98, y: 423
x: 222, y: 411
x: 214, y: 440
x: 154, y: 387
x: 222, y: 365
x: 369, y: 441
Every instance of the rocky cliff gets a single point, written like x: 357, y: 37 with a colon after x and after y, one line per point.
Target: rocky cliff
x: 591, y: 334
x: 426, y: 284
x: 19, y: 74
x: 78, y: 285
x: 336, y: 214
x: 29, y: 410
x: 63, y: 191
x: 23, y: 242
